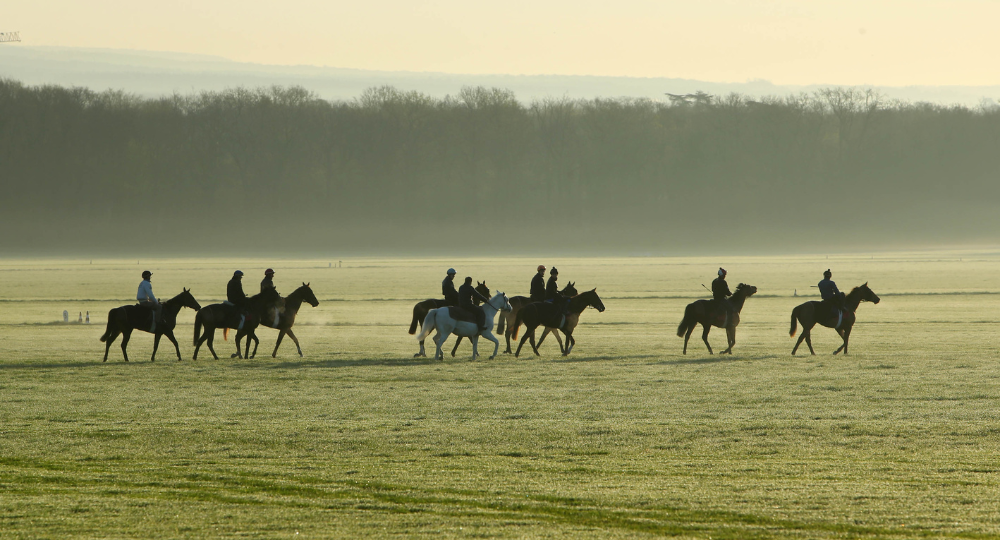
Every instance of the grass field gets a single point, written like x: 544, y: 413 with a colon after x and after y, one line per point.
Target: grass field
x: 624, y: 438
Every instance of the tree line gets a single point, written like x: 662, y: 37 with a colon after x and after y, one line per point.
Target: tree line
x: 280, y: 170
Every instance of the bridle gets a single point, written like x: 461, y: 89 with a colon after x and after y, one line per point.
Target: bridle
x: 490, y: 303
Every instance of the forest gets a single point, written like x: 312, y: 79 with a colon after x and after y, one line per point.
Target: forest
x: 277, y: 170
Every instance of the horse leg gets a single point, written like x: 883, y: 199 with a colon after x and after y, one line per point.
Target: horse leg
x: 156, y: 345
x: 475, y: 346
x: 239, y: 337
x: 170, y: 336
x: 521, y: 344
x: 731, y: 339
x: 809, y: 341
x: 570, y: 341
x: 704, y: 336
x: 545, y: 333
x: 496, y: 344
x: 555, y: 334
x: 687, y: 336
x: 107, y: 344
x: 845, y: 334
x: 126, y: 335
x: 455, y: 348
x: 211, y: 341
x: 847, y: 338
x: 532, y: 341
x: 295, y: 340
x: 256, y: 342
x: 281, y: 335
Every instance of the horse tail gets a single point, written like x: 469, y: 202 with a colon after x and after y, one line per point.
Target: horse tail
x: 795, y: 318
x: 428, y: 325
x: 517, y: 323
x: 225, y: 334
x: 416, y: 319
x: 688, y: 321
x: 108, y: 331
x: 502, y: 324
x: 197, y: 327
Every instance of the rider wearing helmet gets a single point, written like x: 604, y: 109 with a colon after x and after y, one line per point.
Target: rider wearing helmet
x: 268, y: 281
x: 146, y: 298
x: 234, y: 290
x: 448, y: 289
x: 552, y: 292
x: 467, y: 295
x: 720, y: 292
x: 538, y: 285
x: 829, y: 292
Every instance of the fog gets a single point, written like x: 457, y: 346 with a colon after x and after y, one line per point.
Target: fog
x: 278, y: 170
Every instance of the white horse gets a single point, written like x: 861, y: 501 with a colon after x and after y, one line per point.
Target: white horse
x: 439, y: 319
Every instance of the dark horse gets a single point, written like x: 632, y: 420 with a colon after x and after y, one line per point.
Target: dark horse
x: 702, y: 312
x: 548, y: 314
x: 507, y: 318
x: 122, y: 320
x: 811, y: 313
x: 420, y: 313
x: 227, y: 316
x: 285, y: 320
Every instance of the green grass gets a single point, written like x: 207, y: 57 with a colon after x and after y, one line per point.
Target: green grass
x: 624, y: 438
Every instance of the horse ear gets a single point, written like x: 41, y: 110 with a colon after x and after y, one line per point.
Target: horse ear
x: 866, y: 284
x: 307, y: 284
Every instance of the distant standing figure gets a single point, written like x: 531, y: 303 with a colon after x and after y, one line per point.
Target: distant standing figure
x: 538, y: 285
x: 146, y: 298
x: 448, y: 288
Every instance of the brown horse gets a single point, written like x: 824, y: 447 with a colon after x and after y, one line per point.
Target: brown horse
x: 122, y: 320
x: 226, y: 316
x: 811, y: 313
x: 507, y: 318
x: 285, y: 320
x: 702, y: 312
x: 420, y: 313
x: 548, y: 314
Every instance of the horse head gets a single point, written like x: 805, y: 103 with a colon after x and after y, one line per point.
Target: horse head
x: 506, y: 301
x: 306, y: 292
x: 868, y: 295
x: 482, y: 289
x: 593, y: 300
x: 745, y: 290
x: 569, y: 289
x: 187, y: 300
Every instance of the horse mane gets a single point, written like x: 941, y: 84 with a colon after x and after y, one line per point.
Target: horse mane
x: 582, y: 299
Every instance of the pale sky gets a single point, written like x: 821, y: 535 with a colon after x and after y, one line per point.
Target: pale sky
x: 847, y: 42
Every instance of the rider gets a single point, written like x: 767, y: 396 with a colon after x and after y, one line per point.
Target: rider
x: 829, y: 292
x: 146, y: 298
x: 268, y: 281
x: 538, y: 285
x: 552, y: 291
x: 721, y: 294
x: 467, y: 294
x: 448, y: 288
x: 234, y: 291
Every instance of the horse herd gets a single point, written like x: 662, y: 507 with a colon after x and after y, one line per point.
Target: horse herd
x: 271, y: 310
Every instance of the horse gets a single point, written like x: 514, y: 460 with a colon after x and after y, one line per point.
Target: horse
x: 226, y: 316
x: 701, y: 312
x: 285, y: 320
x: 421, y: 309
x: 546, y: 313
x: 518, y: 302
x: 440, y: 319
x: 122, y: 320
x: 811, y: 313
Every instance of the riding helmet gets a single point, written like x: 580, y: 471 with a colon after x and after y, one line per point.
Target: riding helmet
x: 237, y: 274
x: 828, y: 274
x: 722, y: 272
x: 541, y: 268
x: 146, y: 274
x: 451, y: 272
x: 269, y: 272
x: 554, y: 271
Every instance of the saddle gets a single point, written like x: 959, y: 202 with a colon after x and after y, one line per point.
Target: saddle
x: 146, y: 312
x: 463, y: 315
x: 720, y: 319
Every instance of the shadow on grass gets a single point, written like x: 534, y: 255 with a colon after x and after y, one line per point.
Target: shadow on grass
x: 355, y: 362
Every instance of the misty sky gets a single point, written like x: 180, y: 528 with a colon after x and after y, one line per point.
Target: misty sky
x: 890, y: 43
